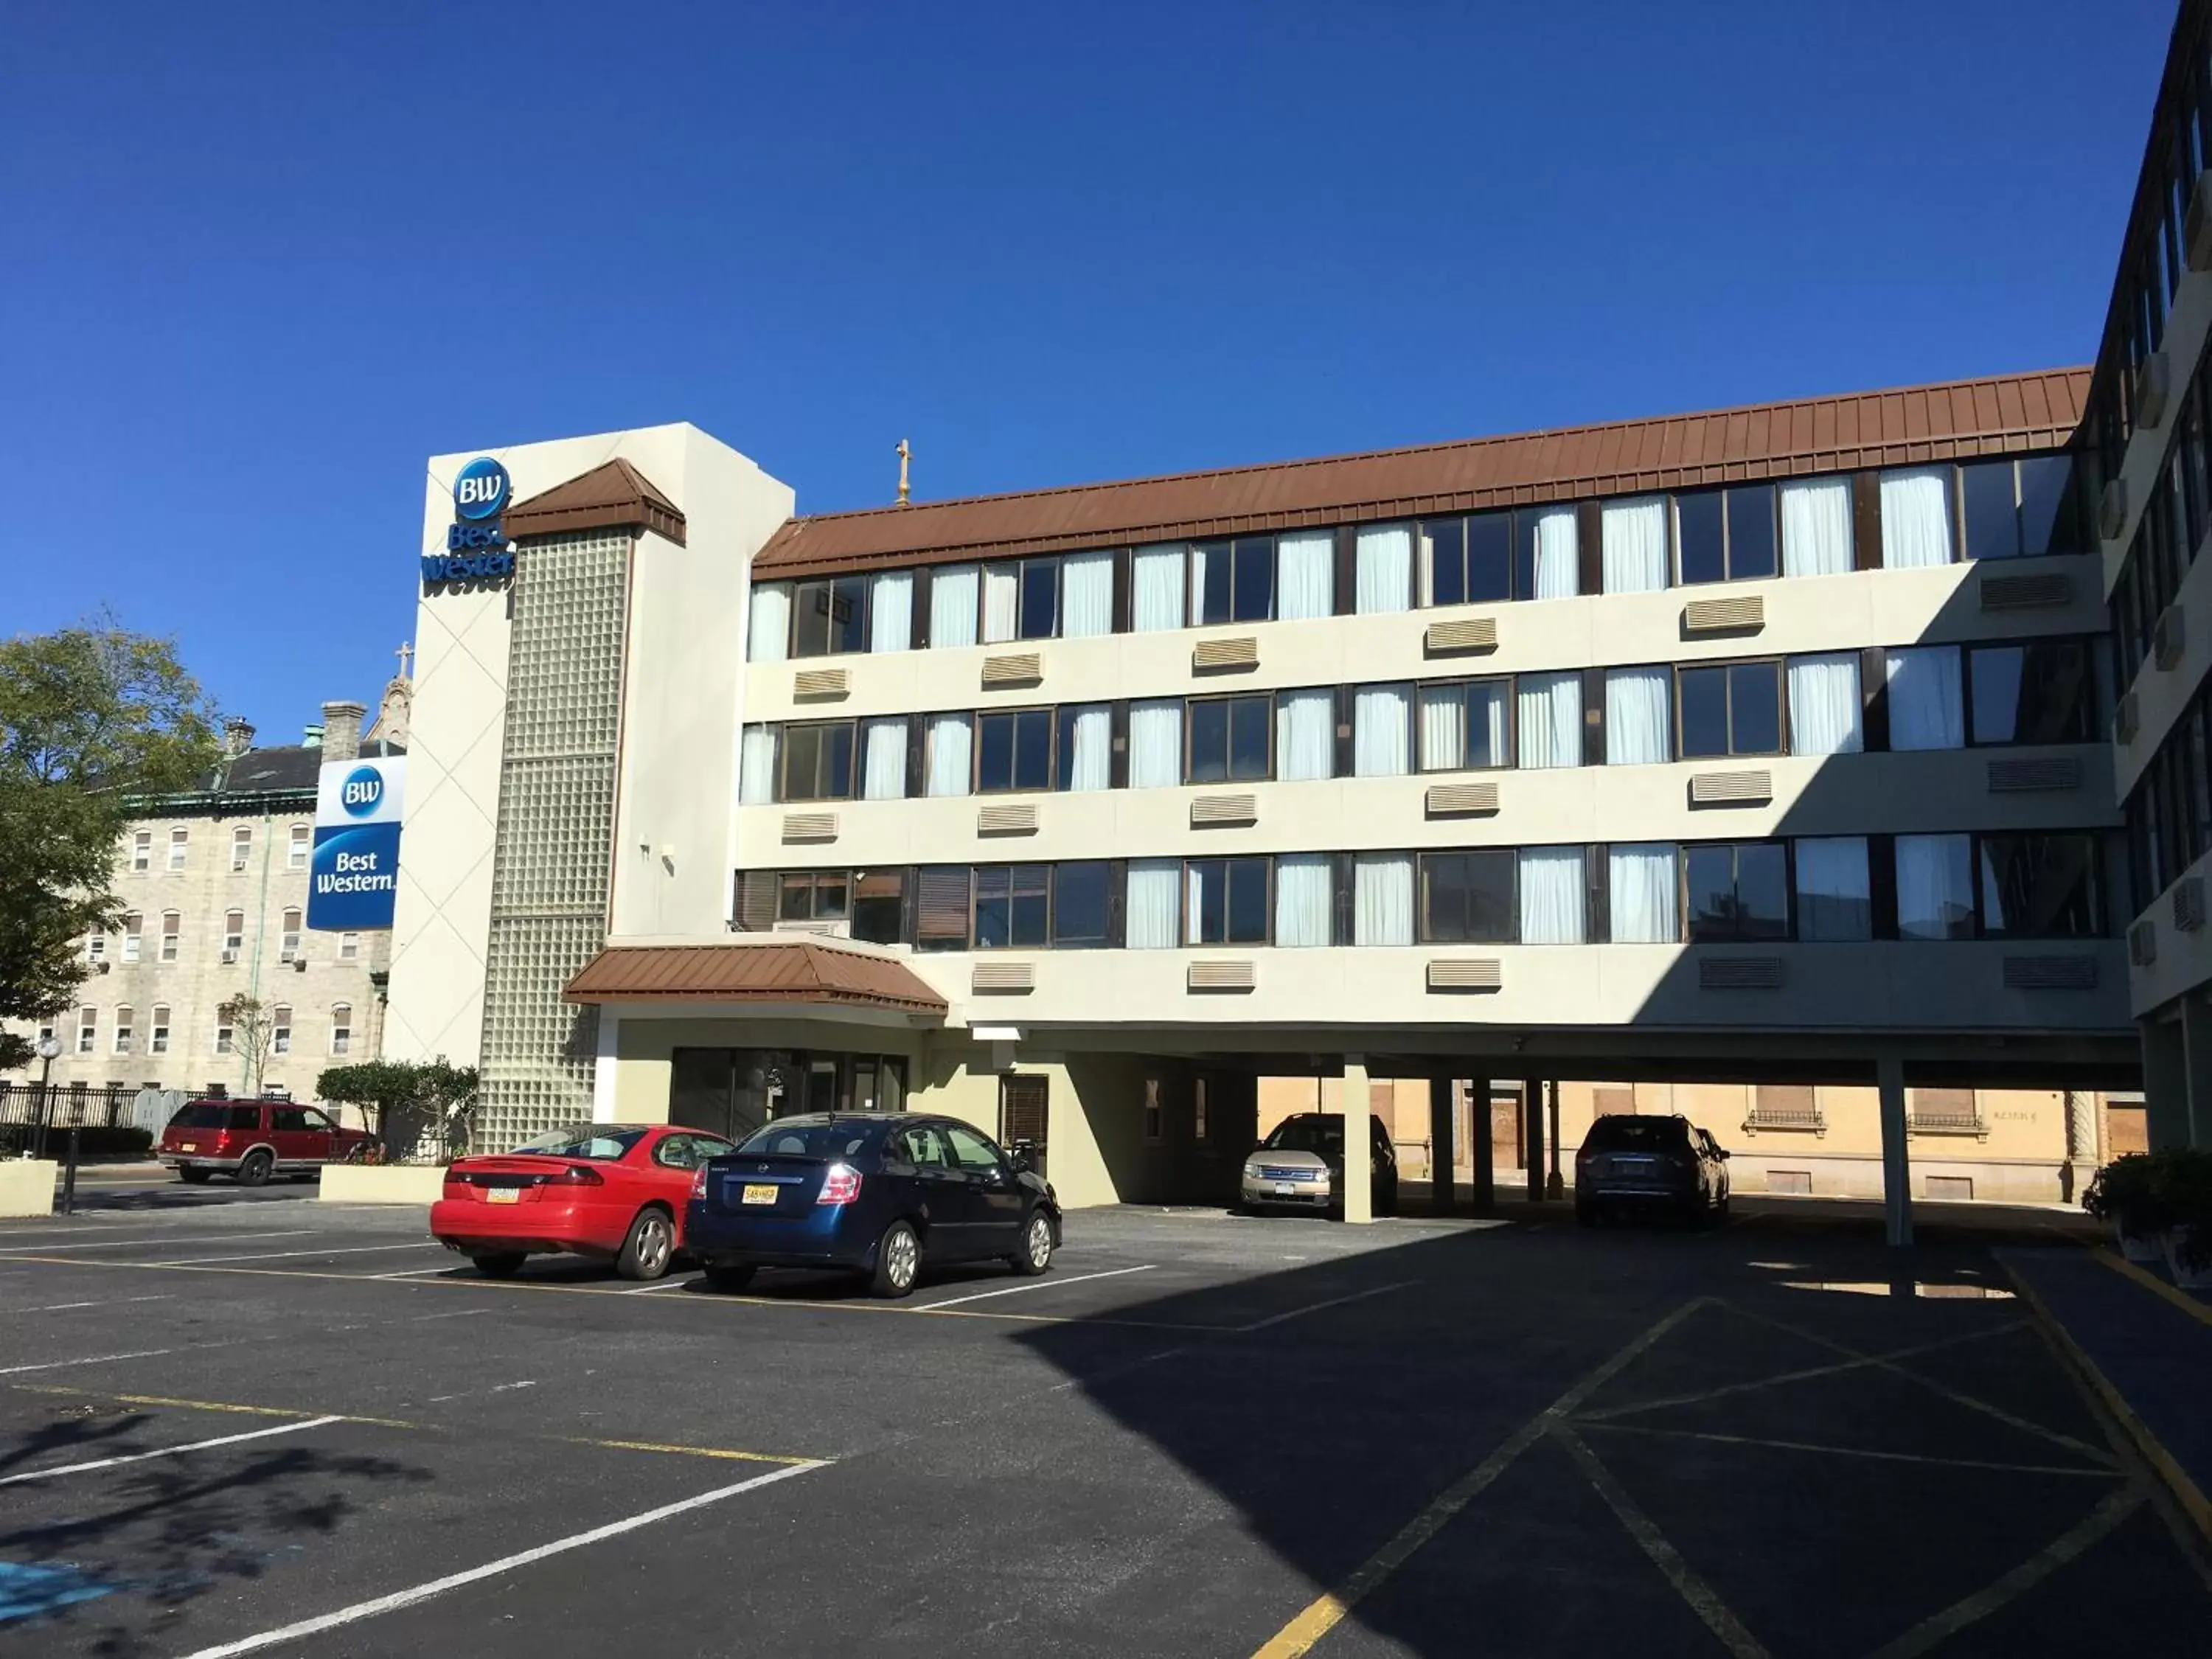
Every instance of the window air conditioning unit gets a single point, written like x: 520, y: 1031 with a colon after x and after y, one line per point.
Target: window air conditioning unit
x: 2166, y: 636
x: 102, y: 966
x: 2151, y: 390
x: 2113, y: 509
x: 2197, y: 226
x: 230, y: 956
x: 299, y: 965
x: 2143, y: 943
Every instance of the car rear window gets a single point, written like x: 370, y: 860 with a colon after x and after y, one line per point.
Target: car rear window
x: 810, y: 1139
x: 589, y: 1140
x: 1620, y: 1133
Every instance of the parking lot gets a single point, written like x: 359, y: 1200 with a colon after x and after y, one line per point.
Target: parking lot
x: 231, y: 1427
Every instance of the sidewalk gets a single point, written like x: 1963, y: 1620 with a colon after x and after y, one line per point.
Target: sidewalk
x: 2144, y: 1346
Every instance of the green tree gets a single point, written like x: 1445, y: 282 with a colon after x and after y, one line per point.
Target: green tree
x: 92, y: 719
x: 384, y: 1087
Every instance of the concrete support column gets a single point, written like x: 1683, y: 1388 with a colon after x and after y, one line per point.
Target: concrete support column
x: 1483, y: 1181
x: 2165, y: 1082
x: 2196, y: 1056
x: 1896, y: 1163
x: 1358, y: 1197
x: 1532, y: 1113
x: 1440, y: 1144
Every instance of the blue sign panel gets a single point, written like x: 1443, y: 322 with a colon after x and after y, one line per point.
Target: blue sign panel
x: 481, y: 490
x: 353, y: 873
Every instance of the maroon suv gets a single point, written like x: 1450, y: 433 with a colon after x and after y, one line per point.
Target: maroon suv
x: 250, y: 1140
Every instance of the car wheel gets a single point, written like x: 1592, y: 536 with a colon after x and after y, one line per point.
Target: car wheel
x: 1036, y: 1253
x: 499, y: 1264
x: 650, y: 1247
x: 255, y: 1171
x: 729, y: 1277
x: 898, y: 1260
x: 193, y: 1177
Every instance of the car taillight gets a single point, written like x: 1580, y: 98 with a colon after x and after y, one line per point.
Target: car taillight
x: 577, y: 1175
x: 699, y: 1182
x: 841, y: 1184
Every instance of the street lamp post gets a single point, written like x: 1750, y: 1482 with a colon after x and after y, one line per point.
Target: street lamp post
x: 49, y: 1048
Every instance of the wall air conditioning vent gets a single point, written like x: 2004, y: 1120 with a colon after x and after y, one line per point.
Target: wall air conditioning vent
x: 2189, y: 904
x: 2197, y: 226
x: 1739, y: 973
x: 1222, y: 977
x: 1456, y: 800
x: 2152, y: 389
x: 2143, y: 943
x: 1466, y: 973
x: 1012, y: 669
x: 816, y: 684
x: 809, y: 826
x: 1007, y: 818
x: 2054, y: 973
x: 2113, y: 509
x: 230, y: 956
x: 1216, y: 656
x: 816, y: 929
x: 1743, y: 615
x: 2125, y: 719
x: 2026, y: 593
x: 2167, y: 636
x: 1750, y: 788
x: 2008, y: 777
x: 1004, y: 978
x: 1449, y: 639
x: 1222, y: 811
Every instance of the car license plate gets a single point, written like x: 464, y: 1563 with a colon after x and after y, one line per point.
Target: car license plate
x: 189, y: 1146
x: 759, y: 1192
x: 503, y: 1195
x: 1285, y: 1188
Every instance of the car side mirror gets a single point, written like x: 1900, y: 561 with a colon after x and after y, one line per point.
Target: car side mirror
x: 1019, y: 1158
x: 1721, y: 1152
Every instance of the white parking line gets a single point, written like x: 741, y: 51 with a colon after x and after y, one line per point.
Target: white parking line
x: 33, y: 1246
x: 118, y: 1302
x: 408, y: 1598
x: 90, y: 1359
x: 670, y: 1283
x: 1315, y: 1307
x: 279, y: 1255
x: 415, y: 1272
x: 168, y: 1451
x: 1034, y: 1285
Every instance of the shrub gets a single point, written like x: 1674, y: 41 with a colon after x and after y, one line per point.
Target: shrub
x: 2123, y: 1192
x: 2181, y: 1191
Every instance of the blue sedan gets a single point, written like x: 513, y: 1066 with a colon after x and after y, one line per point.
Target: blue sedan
x: 871, y: 1192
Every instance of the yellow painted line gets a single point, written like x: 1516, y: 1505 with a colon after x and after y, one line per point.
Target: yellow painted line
x: 2151, y: 1282
x: 1323, y: 1613
x: 721, y: 1452
x: 2184, y: 1490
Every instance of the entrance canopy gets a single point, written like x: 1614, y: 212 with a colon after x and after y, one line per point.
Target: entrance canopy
x: 780, y: 972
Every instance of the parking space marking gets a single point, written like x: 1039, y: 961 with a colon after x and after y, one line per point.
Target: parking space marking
x: 1852, y: 1451
x: 670, y: 1283
x: 719, y: 1452
x: 90, y: 1360
x: 1317, y: 1307
x: 108, y: 1302
x: 1038, y: 1283
x: 169, y: 1451
x: 406, y: 1598
x: 277, y: 1255
x: 41, y: 1248
x: 410, y: 1273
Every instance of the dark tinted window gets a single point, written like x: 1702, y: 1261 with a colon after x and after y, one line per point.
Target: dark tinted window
x: 1703, y: 698
x: 1229, y: 739
x: 1010, y: 905
x: 1489, y: 557
x: 1211, y: 563
x: 809, y: 896
x: 1079, y: 904
x: 1737, y: 892
x: 1755, y: 709
x: 1985, y: 492
x: 2035, y: 692
x: 200, y: 1114
x: 2039, y: 887
x: 799, y: 1138
x: 817, y: 762
x: 2050, y: 511
x: 1617, y: 1133
x: 880, y: 906
x: 1467, y: 897
x: 290, y: 1118
x: 1014, y: 751
x: 1229, y: 900
x: 1700, y: 527
x: 1252, y: 596
x: 601, y: 1142
x: 247, y: 1118
x: 829, y: 616
x: 1752, y: 538
x: 1445, y: 540
x: 1040, y: 598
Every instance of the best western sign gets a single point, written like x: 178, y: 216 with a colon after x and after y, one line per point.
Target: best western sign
x: 476, y: 548
x: 353, y: 876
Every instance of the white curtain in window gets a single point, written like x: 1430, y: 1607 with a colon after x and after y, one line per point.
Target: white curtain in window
x: 1087, y: 595
x: 1824, y: 705
x: 1916, y: 518
x: 1385, y: 569
x: 891, y: 611
x: 1156, y: 744
x: 1091, y: 765
x: 1443, y: 727
x: 951, y: 746
x: 1641, y: 882
x: 771, y: 622
x: 1551, y: 719
x: 1305, y: 734
x: 1156, y: 588
x: 1557, y: 561
x: 1833, y: 899
x: 1155, y: 902
x: 883, y: 764
x: 1002, y: 590
x: 1934, y: 885
x: 952, y: 604
x: 1635, y: 544
x: 1638, y: 728
x: 1552, y: 906
x: 1301, y: 908
x: 757, y: 766
x: 1305, y: 575
x: 1487, y: 723
x: 1925, y: 707
x: 1381, y: 726
x: 1816, y: 528
x: 1383, y: 899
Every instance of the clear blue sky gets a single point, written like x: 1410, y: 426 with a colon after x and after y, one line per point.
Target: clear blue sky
x: 257, y: 262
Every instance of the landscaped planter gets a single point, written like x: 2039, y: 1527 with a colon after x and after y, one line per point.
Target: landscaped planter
x: 2143, y: 1249
x: 27, y: 1186
x: 383, y: 1183
x: 2188, y: 1278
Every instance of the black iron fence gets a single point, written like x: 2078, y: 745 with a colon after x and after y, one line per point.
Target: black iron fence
x: 78, y: 1106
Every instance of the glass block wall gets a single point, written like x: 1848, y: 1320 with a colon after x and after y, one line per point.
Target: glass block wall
x: 554, y: 837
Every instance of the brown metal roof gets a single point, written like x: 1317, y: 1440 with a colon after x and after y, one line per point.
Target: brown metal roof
x: 2001, y: 415
x: 611, y: 496
x: 788, y: 970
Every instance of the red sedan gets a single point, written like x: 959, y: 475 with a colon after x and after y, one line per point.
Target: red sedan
x: 611, y: 1191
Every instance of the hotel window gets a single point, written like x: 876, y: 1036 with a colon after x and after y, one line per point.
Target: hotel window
x: 953, y: 601
x: 1466, y: 724
x: 1153, y: 904
x: 1827, y: 713
x: 1927, y: 709
x: 2037, y: 691
x: 1467, y: 898
x: 1733, y: 709
x: 1382, y: 731
x: 1021, y: 599
x: 1229, y: 739
x: 88, y: 1029
x: 1233, y: 582
x: 1835, y: 899
x: 349, y: 946
x: 890, y: 611
x: 157, y: 1039
x: 1383, y: 898
x: 1226, y: 902
x: 1469, y: 561
x: 123, y: 1018
x: 1012, y: 905
x: 280, y: 1029
x: 287, y: 947
x: 817, y: 762
x: 883, y: 758
x: 1725, y: 535
x: 1382, y: 567
x: 1736, y: 892
x: 943, y: 918
x: 142, y: 852
x: 1085, y: 740
x: 133, y: 926
x: 1547, y: 559
x: 950, y: 755
x: 242, y: 848
x: 1632, y: 544
x: 2029, y: 506
x: 1079, y: 904
x: 1304, y: 900
x: 2039, y: 886
x: 1934, y: 887
x: 1916, y: 518
x: 172, y: 929
x: 814, y: 895
x: 234, y: 934
x: 1154, y: 1130
x: 1554, y: 896
x: 295, y: 855
x: 830, y: 618
x: 1817, y: 537
x: 1155, y: 743
x: 1305, y: 734
x: 1157, y: 583
x: 880, y: 906
x: 756, y: 773
x: 768, y: 625
x: 1547, y: 718
x: 342, y: 1028
x: 179, y: 840
x: 1642, y: 886
x: 225, y: 1036
x: 1639, y: 721
x: 1013, y: 750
